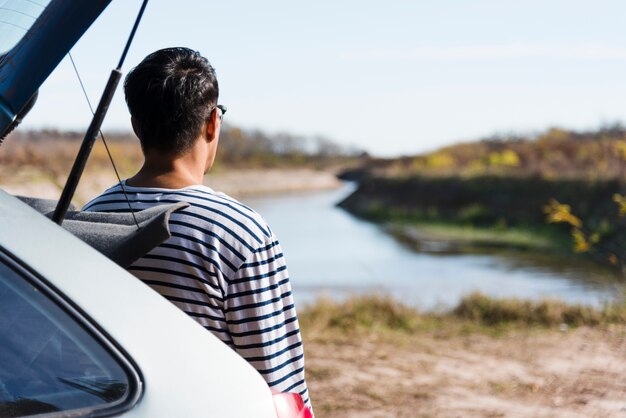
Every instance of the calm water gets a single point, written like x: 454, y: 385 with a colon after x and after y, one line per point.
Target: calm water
x: 329, y: 252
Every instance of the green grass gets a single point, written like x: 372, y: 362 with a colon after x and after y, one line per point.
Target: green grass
x: 484, y: 236
x: 469, y: 229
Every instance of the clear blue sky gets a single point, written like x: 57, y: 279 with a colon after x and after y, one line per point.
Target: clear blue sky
x: 393, y: 77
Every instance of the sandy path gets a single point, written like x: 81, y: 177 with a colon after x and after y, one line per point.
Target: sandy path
x: 579, y: 373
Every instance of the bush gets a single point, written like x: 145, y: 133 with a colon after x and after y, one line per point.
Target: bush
x: 491, y: 311
x: 376, y: 313
x: 370, y: 312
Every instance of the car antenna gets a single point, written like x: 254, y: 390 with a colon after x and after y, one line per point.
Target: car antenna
x: 94, y: 127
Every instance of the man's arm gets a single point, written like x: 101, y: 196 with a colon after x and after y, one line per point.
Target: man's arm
x: 262, y: 320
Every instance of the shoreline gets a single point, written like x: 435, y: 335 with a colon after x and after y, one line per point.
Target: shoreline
x: 254, y: 182
x: 235, y: 182
x: 502, y: 210
x: 450, y: 237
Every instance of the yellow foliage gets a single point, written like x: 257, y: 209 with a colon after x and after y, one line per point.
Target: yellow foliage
x: 621, y: 202
x: 476, y: 167
x: 558, y: 212
x: 507, y: 158
x: 494, y: 158
x: 510, y: 158
x: 440, y: 160
x: 620, y: 147
x: 581, y: 244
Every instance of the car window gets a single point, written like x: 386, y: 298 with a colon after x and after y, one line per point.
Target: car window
x: 16, y: 17
x: 48, y: 361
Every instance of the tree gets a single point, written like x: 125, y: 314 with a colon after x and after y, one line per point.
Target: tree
x: 607, y: 244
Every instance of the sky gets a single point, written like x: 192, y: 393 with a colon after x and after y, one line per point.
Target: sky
x: 393, y: 77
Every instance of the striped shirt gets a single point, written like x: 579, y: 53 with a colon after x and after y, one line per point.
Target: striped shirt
x: 224, y: 267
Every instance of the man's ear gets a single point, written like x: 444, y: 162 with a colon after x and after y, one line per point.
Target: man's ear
x: 212, y: 126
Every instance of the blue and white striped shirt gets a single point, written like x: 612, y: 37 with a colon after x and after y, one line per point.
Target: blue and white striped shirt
x: 224, y: 267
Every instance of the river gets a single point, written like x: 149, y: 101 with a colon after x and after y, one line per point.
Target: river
x: 331, y: 253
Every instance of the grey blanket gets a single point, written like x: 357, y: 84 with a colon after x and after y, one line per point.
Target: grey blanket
x: 115, y: 234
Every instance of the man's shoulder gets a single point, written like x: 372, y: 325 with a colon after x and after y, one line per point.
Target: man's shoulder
x: 237, y: 225
x: 222, y: 204
x: 109, y: 195
x: 208, y: 207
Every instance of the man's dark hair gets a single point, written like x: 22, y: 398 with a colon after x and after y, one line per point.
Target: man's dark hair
x: 170, y: 95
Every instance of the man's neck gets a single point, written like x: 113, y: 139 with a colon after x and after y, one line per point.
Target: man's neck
x: 162, y: 180
x: 169, y: 173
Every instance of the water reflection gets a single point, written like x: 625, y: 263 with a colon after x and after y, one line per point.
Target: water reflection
x: 333, y: 253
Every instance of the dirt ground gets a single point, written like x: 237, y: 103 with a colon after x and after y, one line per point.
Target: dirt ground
x: 529, y: 373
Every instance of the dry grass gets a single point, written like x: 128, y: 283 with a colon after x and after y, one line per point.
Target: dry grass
x: 489, y: 311
x: 373, y: 357
x: 376, y: 313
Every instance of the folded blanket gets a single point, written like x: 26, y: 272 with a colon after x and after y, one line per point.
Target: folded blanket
x: 115, y: 234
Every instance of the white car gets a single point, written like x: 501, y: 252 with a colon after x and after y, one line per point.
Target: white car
x: 79, y: 335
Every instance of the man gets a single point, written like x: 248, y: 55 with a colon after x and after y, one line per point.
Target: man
x: 222, y: 266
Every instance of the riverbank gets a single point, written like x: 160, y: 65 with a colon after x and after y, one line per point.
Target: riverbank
x: 498, y: 211
x: 235, y: 182
x: 372, y: 357
x: 451, y: 238
x: 253, y: 182
x: 481, y: 201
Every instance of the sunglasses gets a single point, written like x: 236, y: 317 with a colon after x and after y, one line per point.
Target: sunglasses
x: 222, y: 109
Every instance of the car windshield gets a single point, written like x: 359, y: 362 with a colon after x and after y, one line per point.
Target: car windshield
x: 16, y: 18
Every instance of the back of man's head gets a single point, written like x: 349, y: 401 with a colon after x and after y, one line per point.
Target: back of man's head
x: 170, y: 95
